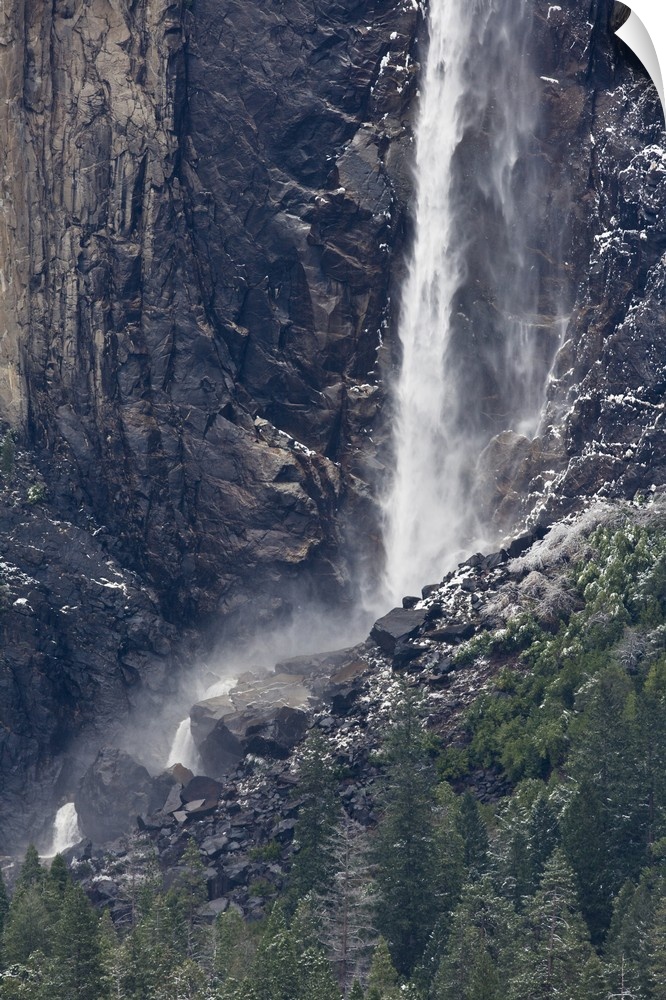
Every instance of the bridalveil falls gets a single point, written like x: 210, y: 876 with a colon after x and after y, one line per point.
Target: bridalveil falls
x: 478, y: 327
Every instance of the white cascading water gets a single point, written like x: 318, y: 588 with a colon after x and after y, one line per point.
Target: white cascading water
x: 66, y: 832
x: 475, y: 351
x: 183, y: 749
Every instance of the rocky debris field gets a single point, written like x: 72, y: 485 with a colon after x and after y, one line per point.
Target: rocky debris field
x: 243, y: 814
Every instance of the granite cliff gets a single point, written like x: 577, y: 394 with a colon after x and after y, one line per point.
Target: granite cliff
x: 205, y: 211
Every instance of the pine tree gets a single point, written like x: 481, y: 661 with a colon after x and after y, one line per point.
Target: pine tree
x: 383, y: 980
x: 76, y: 949
x: 306, y: 928
x: 27, y: 927
x: 356, y: 992
x: 154, y: 946
x: 628, y: 943
x: 311, y: 869
x: 31, y: 873
x: 606, y: 828
x: 275, y: 973
x: 188, y: 894
x: 185, y: 981
x: 233, y: 948
x: 656, y: 964
x: 348, y: 927
x: 56, y: 883
x: 111, y: 960
x: 558, y: 945
x: 478, y: 955
x: 316, y: 980
x: 592, y: 984
x: 408, y: 873
x: 473, y: 831
x: 529, y: 834
x: 542, y: 836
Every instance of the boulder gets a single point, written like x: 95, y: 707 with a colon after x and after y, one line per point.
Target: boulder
x: 220, y: 750
x: 113, y: 792
x: 397, y: 625
x: 274, y: 733
x: 345, y: 686
x: 453, y: 632
x: 201, y: 789
x: 405, y: 652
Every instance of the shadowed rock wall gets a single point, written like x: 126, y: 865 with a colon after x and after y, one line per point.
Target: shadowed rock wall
x: 199, y: 214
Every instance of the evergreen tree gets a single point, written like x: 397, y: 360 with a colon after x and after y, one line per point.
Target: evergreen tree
x: 233, y: 947
x: 593, y: 984
x: 656, y: 964
x: 155, y: 945
x: 408, y: 874
x: 306, y: 928
x: 356, y: 992
x: 606, y: 829
x: 474, y: 835
x: 27, y: 927
x: 76, y: 949
x: 27, y: 982
x: 56, y: 883
x: 348, y: 927
x: 187, y: 895
x: 557, y: 945
x: 311, y: 869
x: 627, y: 944
x: 111, y: 960
x: 275, y: 973
x: 31, y: 874
x: 316, y: 980
x: 383, y: 980
x: 542, y: 836
x: 184, y: 981
x: 478, y: 955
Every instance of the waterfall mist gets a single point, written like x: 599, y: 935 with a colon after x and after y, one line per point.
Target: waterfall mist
x: 480, y: 320
x: 161, y: 736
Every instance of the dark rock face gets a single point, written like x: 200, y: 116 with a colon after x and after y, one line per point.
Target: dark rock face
x: 83, y: 641
x: 203, y: 211
x: 205, y: 276
x: 114, y: 791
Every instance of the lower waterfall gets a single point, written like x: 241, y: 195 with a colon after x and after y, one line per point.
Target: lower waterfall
x: 477, y: 335
x: 183, y: 750
x: 66, y: 830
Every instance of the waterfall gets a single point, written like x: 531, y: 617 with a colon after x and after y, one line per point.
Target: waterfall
x: 183, y: 750
x: 479, y: 324
x: 66, y: 831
